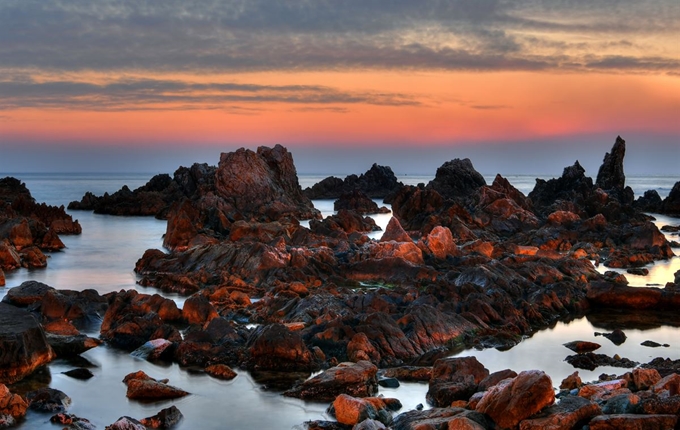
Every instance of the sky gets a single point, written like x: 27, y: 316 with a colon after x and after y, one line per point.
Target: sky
x: 516, y: 86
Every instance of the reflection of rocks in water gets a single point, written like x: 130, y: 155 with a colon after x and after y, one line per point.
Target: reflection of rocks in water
x: 278, y: 381
x: 635, y: 320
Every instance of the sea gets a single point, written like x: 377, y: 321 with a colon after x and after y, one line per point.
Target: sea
x: 103, y: 258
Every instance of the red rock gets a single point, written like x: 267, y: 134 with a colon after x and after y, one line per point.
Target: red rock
x: 126, y: 423
x: 407, y: 251
x: 355, y: 379
x: 351, y: 410
x: 670, y: 383
x: 582, y: 346
x: 275, y: 347
x: 181, y: 227
x: 563, y: 218
x: 595, y: 391
x: 409, y: 373
x: 165, y: 419
x: 643, y: 379
x: 660, y: 405
x: 571, y: 382
x: 9, y: 258
x: 360, y: 348
x: 440, y: 243
x: 2, y: 278
x: 463, y: 423
x: 571, y: 413
x: 395, y: 232
x: 20, y: 235
x: 32, y: 257
x: 12, y: 404
x: 198, y: 310
x: 142, y: 386
x: 514, y: 400
x: 454, y: 379
x: 221, y: 371
x: 495, y: 378
x: 359, y: 202
x: 23, y: 344
x: 633, y: 422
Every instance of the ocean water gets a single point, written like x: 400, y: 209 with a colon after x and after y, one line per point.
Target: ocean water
x: 103, y: 258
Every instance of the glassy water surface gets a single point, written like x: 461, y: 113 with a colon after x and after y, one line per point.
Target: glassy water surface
x: 103, y: 258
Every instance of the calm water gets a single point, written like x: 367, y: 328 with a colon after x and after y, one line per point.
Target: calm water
x: 103, y: 258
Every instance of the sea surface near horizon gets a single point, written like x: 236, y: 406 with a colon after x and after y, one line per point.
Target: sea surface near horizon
x: 103, y: 258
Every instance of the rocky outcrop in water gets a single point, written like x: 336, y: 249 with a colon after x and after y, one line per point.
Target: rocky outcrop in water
x: 377, y: 183
x: 457, y: 179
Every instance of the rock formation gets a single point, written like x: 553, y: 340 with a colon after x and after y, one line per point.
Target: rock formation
x: 377, y: 183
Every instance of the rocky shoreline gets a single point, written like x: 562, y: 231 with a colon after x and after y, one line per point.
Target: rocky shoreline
x: 461, y: 264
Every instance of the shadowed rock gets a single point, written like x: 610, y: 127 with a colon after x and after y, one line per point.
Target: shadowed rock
x: 457, y: 179
x: 610, y: 176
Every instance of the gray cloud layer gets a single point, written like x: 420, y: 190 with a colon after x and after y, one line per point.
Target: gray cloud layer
x: 243, y: 35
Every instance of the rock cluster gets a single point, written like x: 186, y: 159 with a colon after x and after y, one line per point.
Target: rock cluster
x: 377, y: 183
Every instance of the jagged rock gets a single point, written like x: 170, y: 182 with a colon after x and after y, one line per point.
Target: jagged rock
x: 596, y: 391
x: 454, y: 379
x: 495, y: 378
x: 610, y: 176
x: 72, y: 421
x: 153, y: 350
x: 376, y: 183
x: 612, y: 295
x: 355, y: 379
x: 571, y: 412
x: 165, y: 419
x: 221, y: 371
x: 351, y: 410
x: 27, y: 293
x: 442, y: 418
x: 650, y: 201
x: 439, y: 242
x: 671, y: 204
x: 571, y: 382
x: 409, y: 373
x: 346, y: 221
x: 23, y: 344
x: 126, y: 423
x: 198, y: 310
x: 591, y: 361
x: 395, y: 232
x: 513, y: 400
x: 69, y: 346
x: 358, y: 202
x: 457, y: 179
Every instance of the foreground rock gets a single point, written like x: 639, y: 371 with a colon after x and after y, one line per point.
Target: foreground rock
x: 48, y: 400
x: 354, y: 379
x: 12, y: 405
x: 165, y: 419
x: 455, y: 379
x: 142, y: 387
x: 23, y: 344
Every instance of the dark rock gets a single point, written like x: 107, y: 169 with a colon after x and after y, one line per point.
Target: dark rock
x: 610, y: 176
x: 68, y: 346
x: 275, y: 347
x: 198, y: 310
x: 513, y: 400
x: 80, y: 373
x: 617, y: 336
x: 454, y: 379
x: 155, y: 349
x: 457, y: 179
x: 346, y: 221
x: 652, y: 344
x: 126, y: 423
x: 388, y: 382
x: 650, y: 201
x: 355, y: 379
x: 571, y: 412
x: 640, y: 271
x: 495, y: 378
x: 72, y: 421
x: 409, y: 373
x: 439, y: 418
x: 165, y: 419
x: 660, y: 405
x: 671, y: 204
x: 358, y: 202
x: 376, y: 183
x: 48, y: 400
x: 631, y: 421
x: 28, y: 293
x: 621, y: 404
x: 23, y: 346
x: 591, y: 361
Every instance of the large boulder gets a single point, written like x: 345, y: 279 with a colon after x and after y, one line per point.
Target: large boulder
x: 355, y: 379
x: 455, y: 379
x: 571, y: 412
x: 23, y: 346
x: 671, y: 204
x: 12, y: 404
x: 513, y: 400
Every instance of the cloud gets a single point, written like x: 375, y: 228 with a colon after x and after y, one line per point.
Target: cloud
x: 250, y: 35
x: 159, y: 94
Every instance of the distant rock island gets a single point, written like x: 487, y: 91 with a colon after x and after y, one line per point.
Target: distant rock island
x: 462, y: 263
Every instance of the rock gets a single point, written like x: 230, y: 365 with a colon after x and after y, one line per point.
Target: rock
x: 659, y: 404
x: 610, y: 176
x: 439, y: 242
x: 630, y: 421
x: 275, y: 347
x: 72, y: 421
x: 650, y: 201
x: 643, y: 379
x: 69, y: 346
x: 358, y: 202
x: 2, y: 278
x: 670, y: 383
x: 626, y: 403
x: 142, y: 387
x: 652, y: 344
x: 671, y: 204
x: 346, y: 221
x: 495, y: 378
x: 28, y: 293
x: 594, y: 391
x: 457, y: 179
x: 395, y: 232
x: 640, y: 271
x: 198, y: 310
x: 377, y: 183
x: 165, y: 419
x: 571, y: 382
x: 48, y: 400
x: 12, y: 405
x: 355, y: 379
x: 80, y: 373
x: 126, y: 423
x: 580, y: 346
x: 369, y: 424
x: 23, y: 344
x: 360, y: 348
x: 571, y: 412
x: 389, y: 382
x: 572, y: 186
x: 351, y: 410
x: 617, y: 336
x: 454, y: 379
x: 590, y: 361
x: 409, y: 373
x: 152, y: 350
x: 221, y: 371
x: 439, y: 418
x: 514, y: 400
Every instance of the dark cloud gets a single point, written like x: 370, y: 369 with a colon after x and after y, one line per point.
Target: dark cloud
x: 489, y: 107
x: 142, y: 94
x: 247, y: 35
